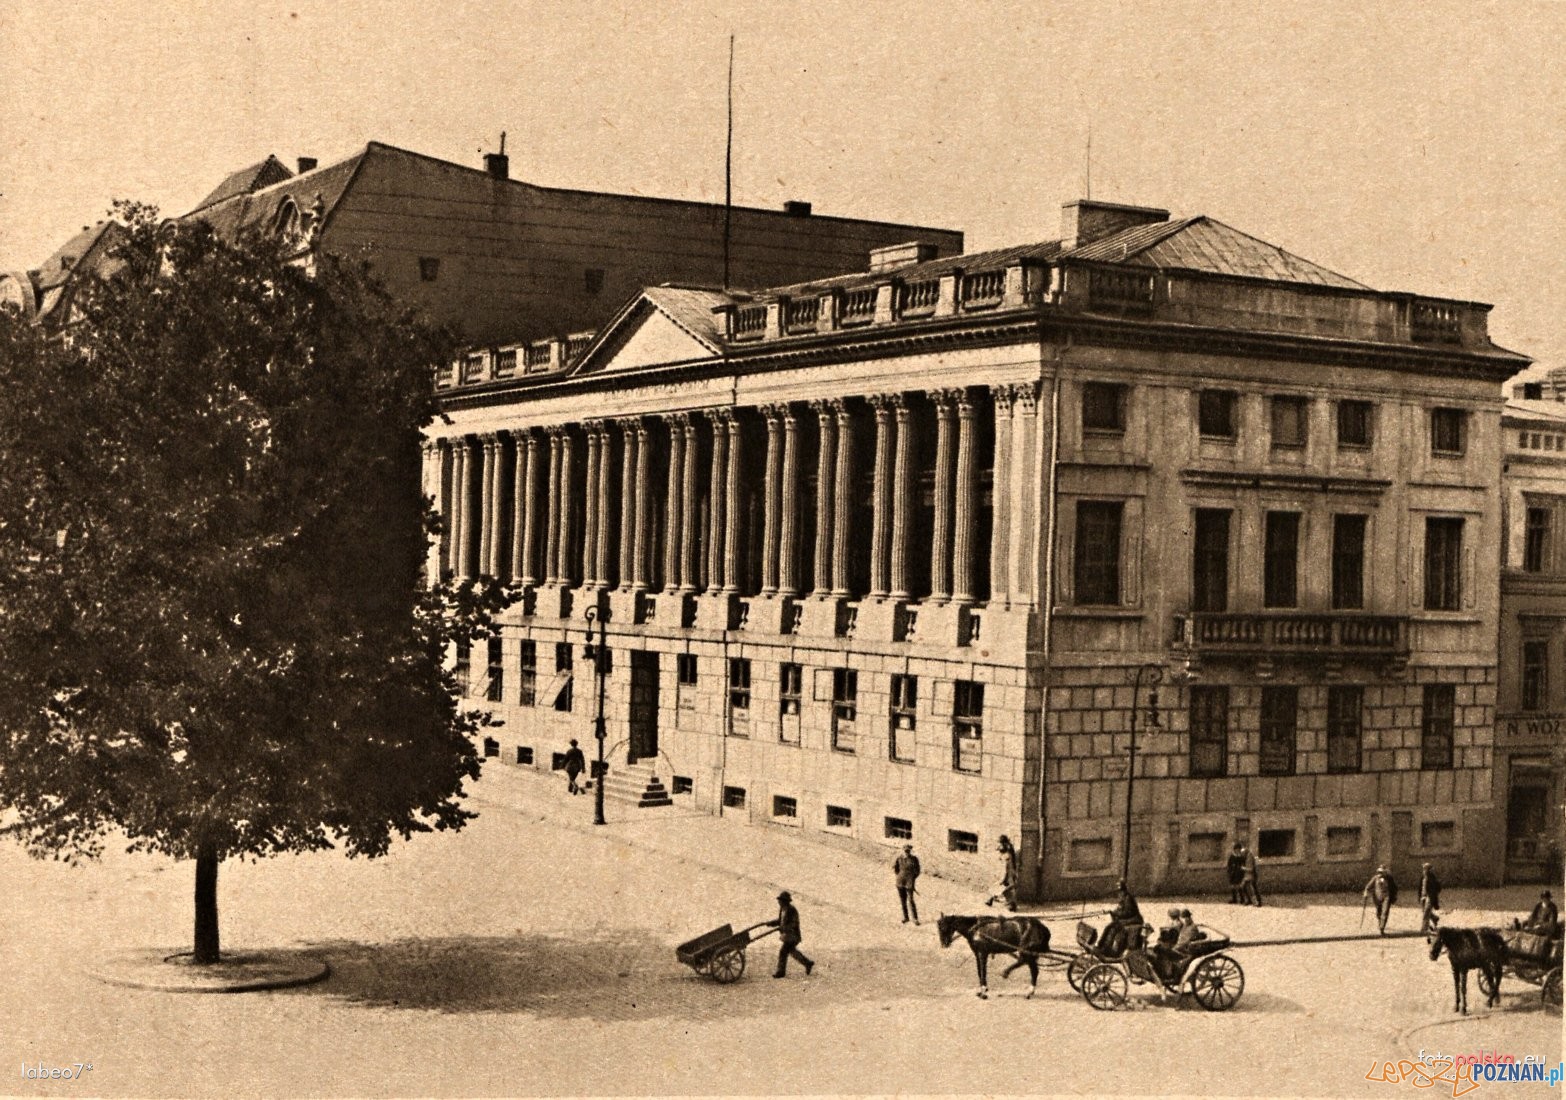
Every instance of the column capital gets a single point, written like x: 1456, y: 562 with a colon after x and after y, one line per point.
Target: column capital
x: 519, y: 436
x: 628, y: 423
x: 1003, y: 393
x: 720, y: 417
x: 827, y: 406
x: 1026, y: 395
x: 885, y: 403
x: 945, y: 398
x: 675, y: 418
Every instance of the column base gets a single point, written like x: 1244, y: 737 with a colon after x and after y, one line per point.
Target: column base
x: 588, y: 596
x: 880, y: 620
x: 770, y: 615
x: 822, y: 617
x: 937, y: 624
x: 525, y: 605
x: 671, y: 610
x: 717, y: 611
x: 1004, y: 634
x: 628, y: 606
x: 552, y: 601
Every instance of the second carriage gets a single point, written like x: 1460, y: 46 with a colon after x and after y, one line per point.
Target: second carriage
x: 1202, y: 968
x: 1535, y: 958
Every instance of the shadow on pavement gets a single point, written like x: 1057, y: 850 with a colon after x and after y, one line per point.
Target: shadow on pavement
x: 610, y: 978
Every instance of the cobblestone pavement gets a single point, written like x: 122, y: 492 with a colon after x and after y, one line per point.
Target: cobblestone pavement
x: 533, y: 953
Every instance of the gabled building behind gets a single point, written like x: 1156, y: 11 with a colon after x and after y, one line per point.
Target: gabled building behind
x: 920, y: 552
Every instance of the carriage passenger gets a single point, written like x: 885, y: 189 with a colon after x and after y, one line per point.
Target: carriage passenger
x: 1170, y: 933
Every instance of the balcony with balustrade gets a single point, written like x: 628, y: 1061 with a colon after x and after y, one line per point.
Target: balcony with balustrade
x: 1335, y: 637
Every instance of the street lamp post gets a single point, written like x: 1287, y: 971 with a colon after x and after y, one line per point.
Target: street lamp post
x: 1152, y: 675
x: 597, y: 652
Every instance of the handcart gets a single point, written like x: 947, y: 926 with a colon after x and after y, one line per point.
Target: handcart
x: 720, y: 954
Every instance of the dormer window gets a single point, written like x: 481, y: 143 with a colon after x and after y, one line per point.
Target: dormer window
x: 286, y: 222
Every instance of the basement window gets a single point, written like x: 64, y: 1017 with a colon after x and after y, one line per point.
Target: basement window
x: 1275, y: 843
x: 959, y: 841
x: 898, y: 828
x: 429, y: 268
x: 524, y: 754
x: 734, y: 798
x: 681, y: 785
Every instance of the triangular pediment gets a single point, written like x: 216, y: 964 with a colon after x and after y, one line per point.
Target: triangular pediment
x: 661, y: 325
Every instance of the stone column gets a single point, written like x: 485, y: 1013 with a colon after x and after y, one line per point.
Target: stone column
x: 672, y: 501
x: 772, y: 509
x: 966, y: 510
x: 532, y: 512
x: 788, y: 519
x: 590, y: 511
x: 688, y: 508
x: 941, y: 543
x: 842, y: 501
x: 1000, y: 538
x: 732, y: 493
x: 459, y: 501
x: 605, y: 504
x: 519, y: 506
x: 881, y: 496
x: 567, y: 491
x: 826, y: 414
x: 552, y: 531
x: 1025, y: 488
x: 643, y: 498
x: 627, y: 502
x: 718, y: 497
x: 902, y: 498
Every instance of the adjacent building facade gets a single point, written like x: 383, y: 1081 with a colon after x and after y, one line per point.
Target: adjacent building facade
x: 920, y: 554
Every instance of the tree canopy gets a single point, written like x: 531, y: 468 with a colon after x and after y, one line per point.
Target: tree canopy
x: 215, y: 631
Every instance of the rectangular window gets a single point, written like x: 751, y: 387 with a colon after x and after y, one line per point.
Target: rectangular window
x: 1103, y: 407
x: 734, y: 798
x: 1209, y: 724
x: 839, y: 817
x: 845, y: 708
x: 464, y: 664
x: 1443, y: 564
x: 1204, y: 847
x: 790, y: 679
x: 959, y: 841
x: 1438, y: 835
x: 1090, y: 854
x: 1275, y: 843
x: 685, y: 668
x: 563, y: 657
x: 783, y: 806
x: 524, y: 754
x: 1439, y: 722
x: 898, y: 828
x: 1355, y: 423
x: 1288, y: 421
x: 1280, y: 708
x: 496, y: 672
x: 739, y: 686
x: 1536, y: 675
x: 681, y: 784
x: 1536, y: 540
x: 527, y: 674
x: 968, y: 726
x: 1210, y: 566
x: 491, y: 747
x: 1343, y: 840
x: 1096, y: 568
x: 1448, y: 431
x: 1343, y: 728
x: 1215, y: 413
x: 1348, y: 562
x: 429, y: 268
x: 904, y: 719
x: 1282, y: 560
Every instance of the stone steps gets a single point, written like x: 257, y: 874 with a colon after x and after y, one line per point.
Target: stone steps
x: 636, y: 784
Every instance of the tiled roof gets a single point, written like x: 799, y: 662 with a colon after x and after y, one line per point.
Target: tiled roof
x: 253, y: 208
x: 1518, y: 408
x: 1204, y: 244
x: 692, y: 309
x: 254, y: 178
x: 57, y: 268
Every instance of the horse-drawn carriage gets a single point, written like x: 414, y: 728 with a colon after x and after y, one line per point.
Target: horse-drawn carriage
x: 1532, y: 957
x: 1199, y: 968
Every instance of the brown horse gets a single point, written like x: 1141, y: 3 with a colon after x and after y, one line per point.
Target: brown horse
x: 1025, y: 937
x: 1468, y: 949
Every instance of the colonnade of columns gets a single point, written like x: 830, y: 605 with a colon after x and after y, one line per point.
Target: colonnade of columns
x: 576, y: 505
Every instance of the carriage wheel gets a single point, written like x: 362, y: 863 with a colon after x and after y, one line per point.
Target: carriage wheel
x: 1551, y: 992
x: 1217, y: 982
x: 1104, y: 986
x: 1078, y: 966
x: 1486, y: 986
x: 728, y: 966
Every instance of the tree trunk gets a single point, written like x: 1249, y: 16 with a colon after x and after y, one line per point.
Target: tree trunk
x: 206, y: 951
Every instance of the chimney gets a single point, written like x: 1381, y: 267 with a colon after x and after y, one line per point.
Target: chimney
x: 307, y: 164
x: 1086, y: 220
x: 894, y: 256
x: 498, y: 165
x: 794, y: 208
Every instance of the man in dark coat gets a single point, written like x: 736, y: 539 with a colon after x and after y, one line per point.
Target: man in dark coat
x: 906, y: 868
x: 574, y: 766
x: 1236, y: 868
x: 1545, y: 914
x: 787, y: 925
x: 1382, y: 889
x: 1429, y: 900
x: 1250, y: 888
x: 1125, y: 921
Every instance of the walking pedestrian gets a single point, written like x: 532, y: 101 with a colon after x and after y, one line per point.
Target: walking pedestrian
x: 1236, y: 869
x: 1382, y: 889
x: 1006, y: 874
x: 906, y: 869
x: 1429, y: 900
x: 574, y: 765
x: 787, y: 925
x: 1250, y: 889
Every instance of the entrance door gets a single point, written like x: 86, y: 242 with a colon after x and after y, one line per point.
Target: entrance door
x: 1527, y: 823
x: 644, y: 706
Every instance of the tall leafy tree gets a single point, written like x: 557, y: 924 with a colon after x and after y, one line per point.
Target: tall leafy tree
x: 215, y: 633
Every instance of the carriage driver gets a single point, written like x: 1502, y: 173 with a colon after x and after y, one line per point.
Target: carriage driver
x: 1125, y: 921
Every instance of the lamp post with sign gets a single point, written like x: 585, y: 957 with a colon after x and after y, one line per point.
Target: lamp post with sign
x: 597, y: 651
x: 1152, y: 675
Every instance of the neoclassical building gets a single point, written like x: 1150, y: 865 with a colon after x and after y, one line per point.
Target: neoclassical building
x: 1123, y: 545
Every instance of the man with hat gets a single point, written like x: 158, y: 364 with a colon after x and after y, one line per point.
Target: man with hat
x: 1429, y: 900
x: 1545, y: 914
x: 906, y: 869
x: 787, y: 925
x: 1382, y: 889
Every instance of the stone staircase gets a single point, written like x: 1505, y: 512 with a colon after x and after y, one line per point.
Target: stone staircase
x: 636, y: 784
